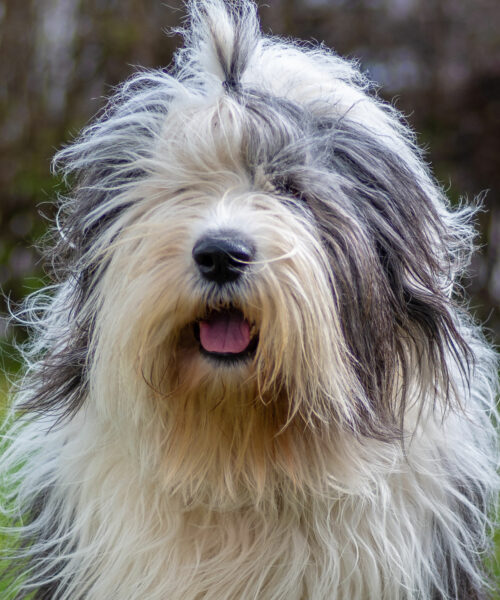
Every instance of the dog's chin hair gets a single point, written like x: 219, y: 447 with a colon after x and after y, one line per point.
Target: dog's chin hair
x: 349, y: 451
x: 129, y: 521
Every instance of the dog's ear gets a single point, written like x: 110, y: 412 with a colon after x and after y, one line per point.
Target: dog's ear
x: 395, y: 250
x: 100, y: 168
x: 108, y: 159
x: 415, y: 248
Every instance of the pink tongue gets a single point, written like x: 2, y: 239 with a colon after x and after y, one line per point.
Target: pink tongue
x: 225, y: 332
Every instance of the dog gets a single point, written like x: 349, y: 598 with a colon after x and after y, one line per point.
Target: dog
x: 253, y: 376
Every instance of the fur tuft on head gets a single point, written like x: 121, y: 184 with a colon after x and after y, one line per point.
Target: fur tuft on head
x: 220, y: 39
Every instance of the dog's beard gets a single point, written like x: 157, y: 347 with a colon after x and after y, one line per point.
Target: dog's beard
x: 243, y: 379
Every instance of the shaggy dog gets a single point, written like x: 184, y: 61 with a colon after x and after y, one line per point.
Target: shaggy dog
x: 251, y: 379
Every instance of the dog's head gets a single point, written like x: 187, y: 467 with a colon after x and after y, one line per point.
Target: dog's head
x: 253, y: 241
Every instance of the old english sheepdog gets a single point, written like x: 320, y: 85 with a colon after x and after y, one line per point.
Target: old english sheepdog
x: 251, y: 378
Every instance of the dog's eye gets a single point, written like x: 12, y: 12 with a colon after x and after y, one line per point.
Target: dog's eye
x: 291, y: 190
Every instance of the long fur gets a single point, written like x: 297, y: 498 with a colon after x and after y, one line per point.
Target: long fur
x: 355, y: 455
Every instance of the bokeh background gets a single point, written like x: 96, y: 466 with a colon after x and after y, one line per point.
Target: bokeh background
x: 438, y: 61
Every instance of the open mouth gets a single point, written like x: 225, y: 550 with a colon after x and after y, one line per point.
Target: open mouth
x: 226, y: 335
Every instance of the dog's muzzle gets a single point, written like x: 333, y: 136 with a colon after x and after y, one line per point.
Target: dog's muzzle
x: 224, y: 333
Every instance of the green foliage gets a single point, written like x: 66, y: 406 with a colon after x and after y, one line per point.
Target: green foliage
x: 496, y: 566
x: 3, y: 537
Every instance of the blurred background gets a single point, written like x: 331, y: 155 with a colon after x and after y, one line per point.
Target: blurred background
x: 438, y: 61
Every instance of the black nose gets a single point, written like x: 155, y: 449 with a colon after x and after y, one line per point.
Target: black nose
x: 222, y: 257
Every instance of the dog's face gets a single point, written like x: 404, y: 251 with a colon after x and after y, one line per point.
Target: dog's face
x: 219, y: 295
x: 260, y: 263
